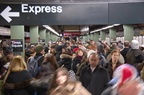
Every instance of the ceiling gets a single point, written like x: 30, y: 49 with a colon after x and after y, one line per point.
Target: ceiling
x: 66, y: 1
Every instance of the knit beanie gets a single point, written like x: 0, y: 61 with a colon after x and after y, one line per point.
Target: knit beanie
x: 39, y: 48
x: 90, y: 52
x: 134, y: 44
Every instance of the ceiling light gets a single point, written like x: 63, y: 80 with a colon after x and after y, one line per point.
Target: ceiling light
x: 104, y: 28
x: 51, y: 29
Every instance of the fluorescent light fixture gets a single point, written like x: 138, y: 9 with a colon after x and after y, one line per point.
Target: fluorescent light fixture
x: 104, y: 28
x: 60, y: 35
x: 51, y: 29
x: 116, y: 24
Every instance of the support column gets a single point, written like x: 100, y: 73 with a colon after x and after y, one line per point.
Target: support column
x: 42, y: 35
x: 87, y: 37
x: 47, y: 36
x: 96, y: 36
x: 93, y: 37
x: 112, y: 34
x: 17, y: 33
x: 34, y: 34
x: 84, y: 38
x: 102, y: 35
x: 128, y: 32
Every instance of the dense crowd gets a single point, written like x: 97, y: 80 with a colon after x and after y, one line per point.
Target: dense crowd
x: 73, y: 68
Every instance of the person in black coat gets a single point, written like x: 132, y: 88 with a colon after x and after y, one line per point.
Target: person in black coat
x: 47, y: 70
x: 59, y: 47
x: 66, y: 58
x: 93, y: 77
x: 17, y: 79
x: 125, y: 50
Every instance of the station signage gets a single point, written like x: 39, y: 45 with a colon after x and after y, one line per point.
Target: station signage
x: 52, y: 14
x: 72, y: 14
x: 17, y: 45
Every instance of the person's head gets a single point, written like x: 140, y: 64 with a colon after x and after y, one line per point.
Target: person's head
x: 61, y: 77
x: 39, y: 49
x: 114, y: 46
x: 134, y: 44
x: 124, y: 78
x: 60, y: 43
x: 17, y: 64
x: 91, y: 47
x: 123, y: 74
x: 80, y: 45
x: 6, y: 59
x: 92, y: 42
x: 49, y: 57
x: 66, y: 51
x: 94, y: 59
x: 115, y: 54
x: 32, y: 49
x: 8, y: 50
x: 80, y: 52
x: 126, y: 44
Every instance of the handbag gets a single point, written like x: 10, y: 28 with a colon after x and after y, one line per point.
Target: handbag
x: 72, y: 74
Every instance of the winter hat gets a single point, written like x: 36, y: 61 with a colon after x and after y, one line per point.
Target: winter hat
x: 123, y: 74
x: 39, y: 48
x: 134, y: 44
x: 75, y: 49
x: 90, y: 52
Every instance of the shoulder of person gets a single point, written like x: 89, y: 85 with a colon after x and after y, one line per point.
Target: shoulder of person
x: 102, y: 69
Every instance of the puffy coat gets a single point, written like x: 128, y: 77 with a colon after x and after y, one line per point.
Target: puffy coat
x: 65, y: 61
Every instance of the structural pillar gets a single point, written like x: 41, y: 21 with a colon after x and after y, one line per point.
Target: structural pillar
x: 128, y: 32
x: 102, y: 35
x: 17, y: 34
x: 34, y: 36
x: 112, y: 34
x: 42, y: 35
x: 47, y: 36
x: 93, y: 37
x: 96, y: 36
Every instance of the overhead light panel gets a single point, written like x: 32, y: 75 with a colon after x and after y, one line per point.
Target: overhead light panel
x: 51, y: 29
x: 104, y: 28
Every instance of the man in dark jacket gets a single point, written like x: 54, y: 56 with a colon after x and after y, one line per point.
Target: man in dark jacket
x: 130, y: 56
x: 39, y: 55
x: 94, y: 77
x: 125, y: 50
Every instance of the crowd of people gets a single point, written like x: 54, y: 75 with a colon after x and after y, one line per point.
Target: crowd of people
x: 73, y: 68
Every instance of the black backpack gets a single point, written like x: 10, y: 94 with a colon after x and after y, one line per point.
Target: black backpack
x: 33, y: 66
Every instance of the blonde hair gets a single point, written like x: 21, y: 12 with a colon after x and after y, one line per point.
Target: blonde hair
x: 16, y: 65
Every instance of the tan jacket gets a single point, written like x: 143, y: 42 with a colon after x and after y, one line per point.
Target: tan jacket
x: 72, y: 88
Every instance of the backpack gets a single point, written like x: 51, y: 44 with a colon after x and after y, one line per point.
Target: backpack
x: 33, y: 66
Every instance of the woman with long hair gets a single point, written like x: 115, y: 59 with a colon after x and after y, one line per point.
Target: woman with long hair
x: 62, y: 85
x: 47, y: 70
x: 114, y: 62
x: 17, y: 79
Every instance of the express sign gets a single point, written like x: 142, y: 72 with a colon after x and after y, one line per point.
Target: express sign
x: 72, y: 14
x: 25, y: 8
x: 40, y: 9
x: 52, y: 14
